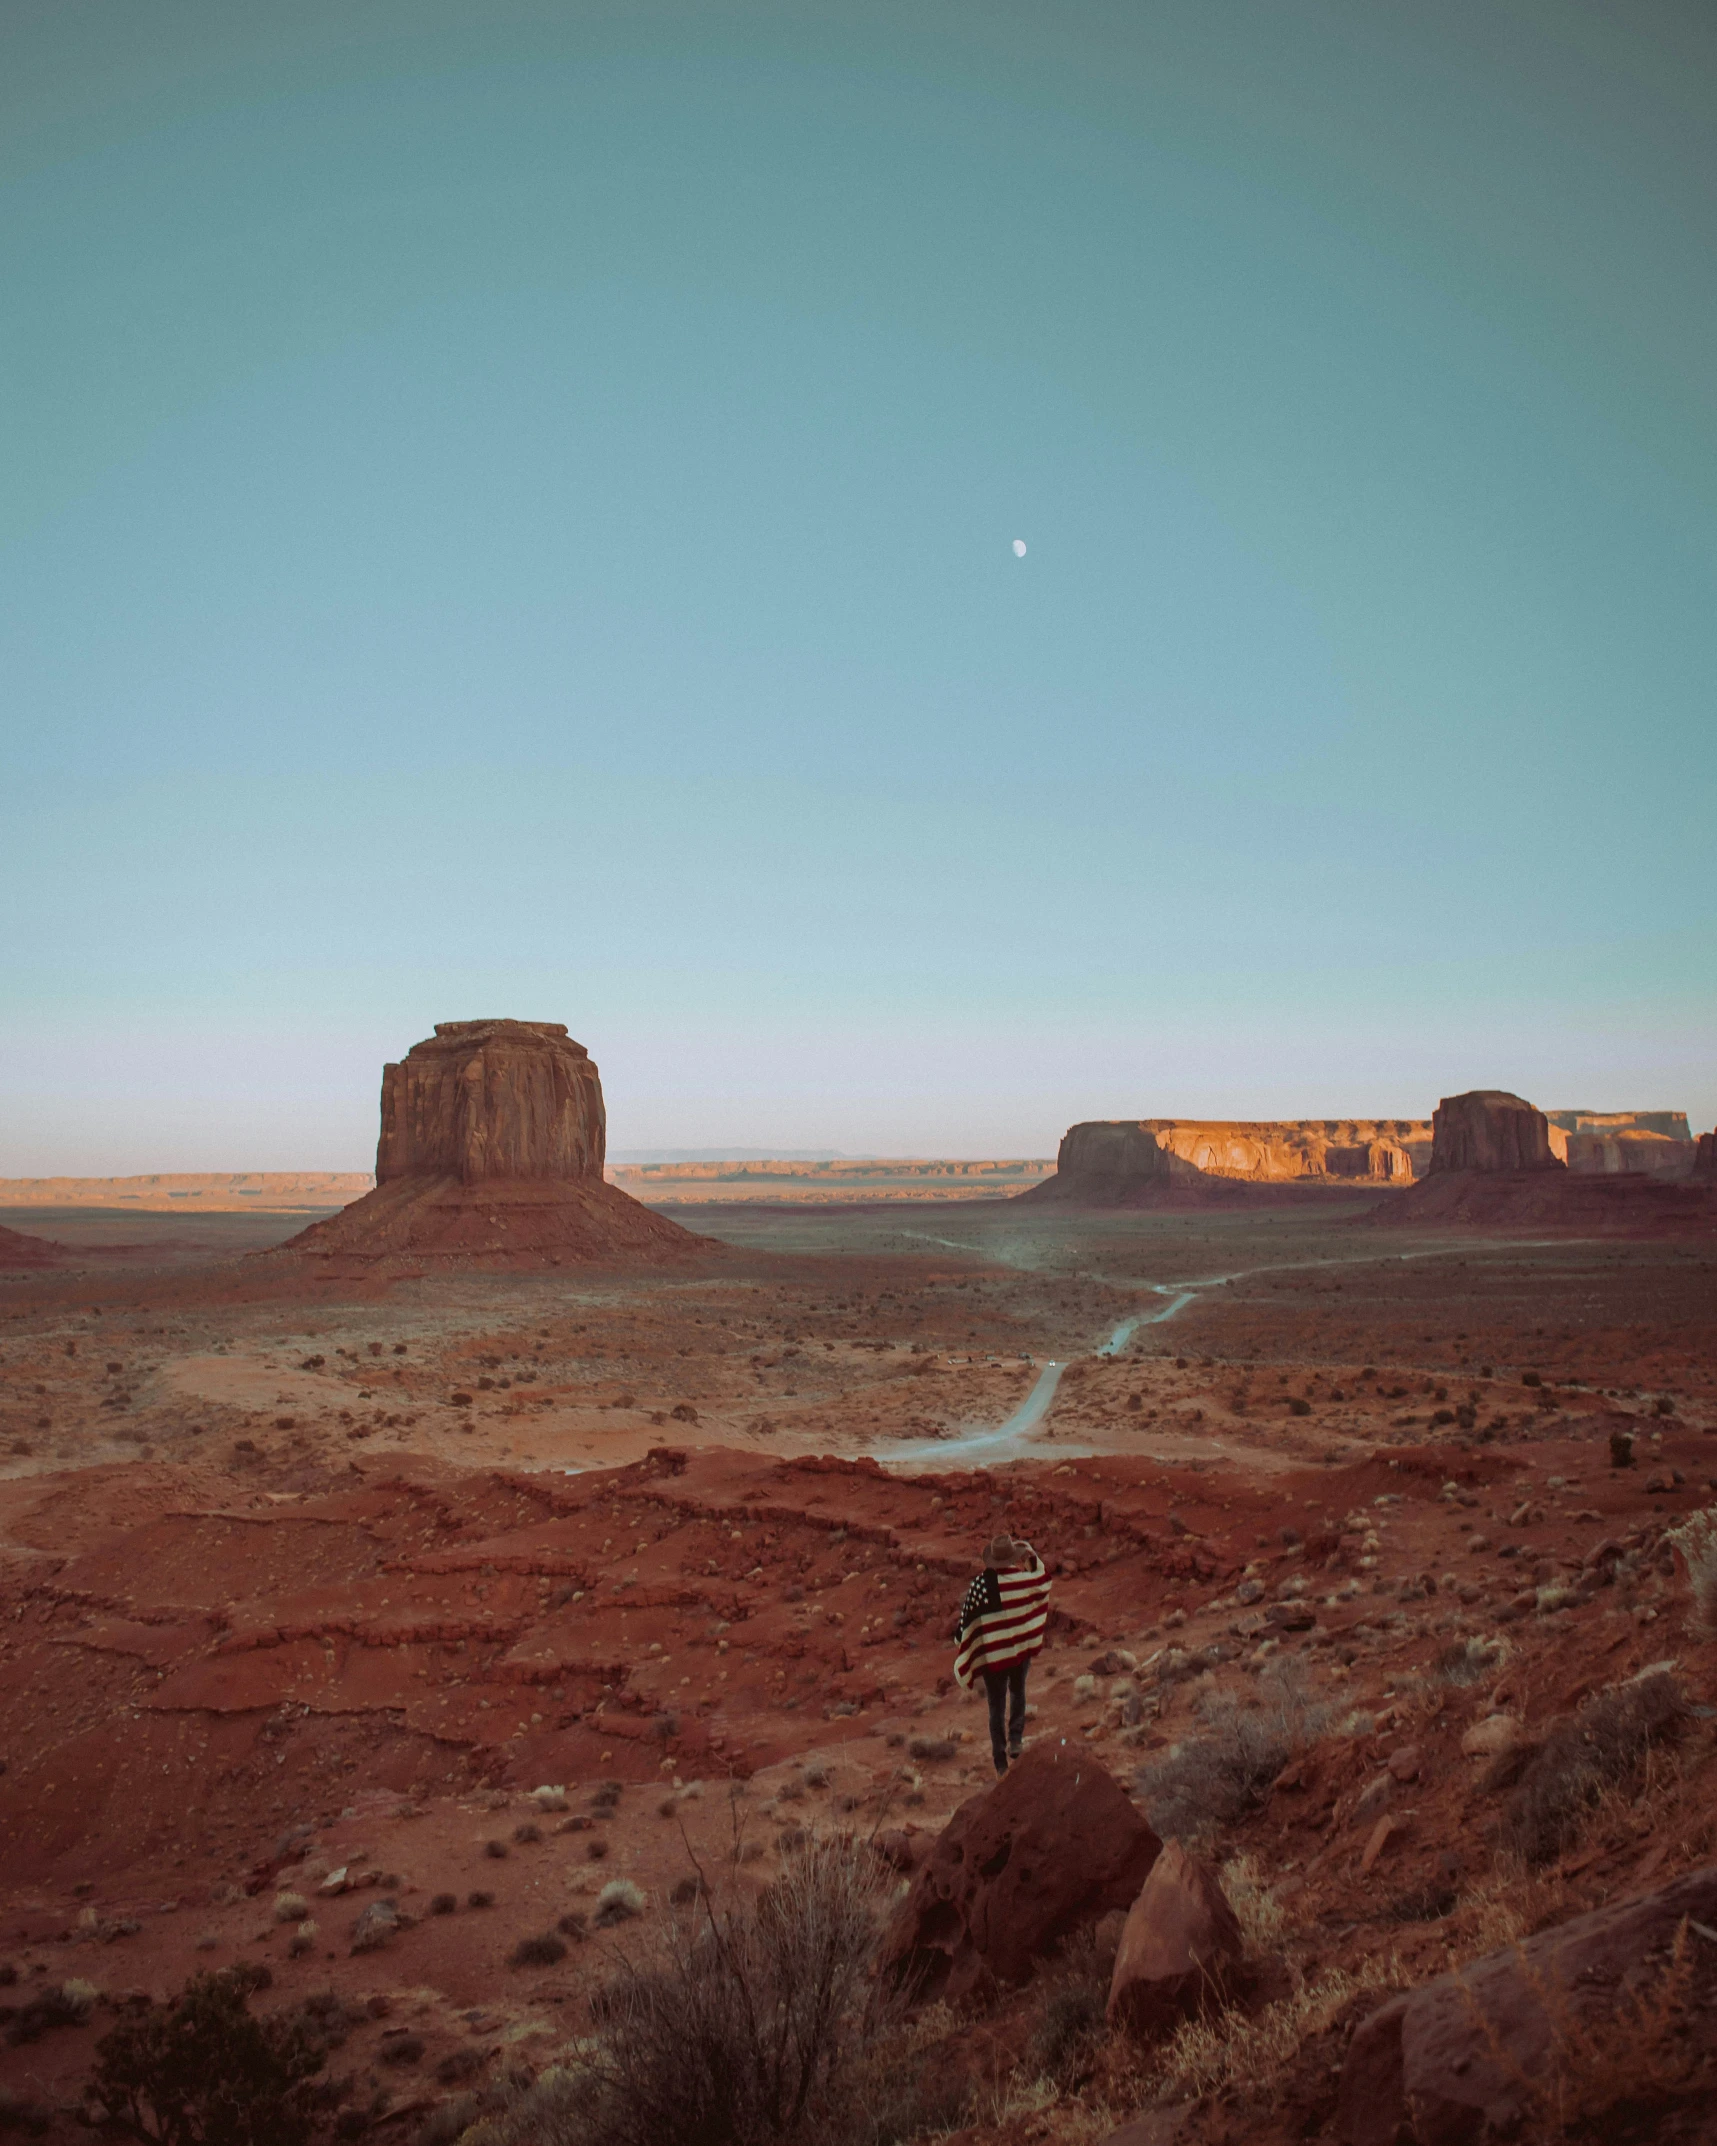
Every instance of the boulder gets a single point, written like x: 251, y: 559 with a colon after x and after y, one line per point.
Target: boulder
x: 493, y: 1138
x: 1180, y: 1947
x: 1482, y: 2052
x: 1489, y: 1130
x: 1054, y: 1846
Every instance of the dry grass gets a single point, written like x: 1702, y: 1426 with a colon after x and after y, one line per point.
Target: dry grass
x: 1251, y: 2055
x: 1261, y: 1915
x: 1633, y: 2048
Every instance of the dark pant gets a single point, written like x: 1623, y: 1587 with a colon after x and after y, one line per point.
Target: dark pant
x: 1006, y: 1691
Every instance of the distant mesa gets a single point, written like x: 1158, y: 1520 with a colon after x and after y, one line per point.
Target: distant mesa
x: 493, y: 1137
x: 1623, y: 1143
x: 1140, y: 1162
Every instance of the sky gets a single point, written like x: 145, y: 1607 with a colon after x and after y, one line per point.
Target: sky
x: 511, y: 508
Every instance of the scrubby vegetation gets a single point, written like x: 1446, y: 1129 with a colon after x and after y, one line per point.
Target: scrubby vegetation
x: 1215, y: 1777
x: 202, y: 2071
x: 1557, y: 1784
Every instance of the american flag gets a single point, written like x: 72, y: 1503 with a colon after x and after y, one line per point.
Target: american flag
x: 1002, y: 1619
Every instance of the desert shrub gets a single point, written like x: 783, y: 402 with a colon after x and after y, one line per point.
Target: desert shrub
x: 750, y: 2026
x: 443, y: 1903
x: 618, y: 1901
x: 290, y: 1907
x: 543, y: 1951
x: 479, y: 1900
x: 527, y: 1833
x: 573, y: 1925
x: 932, y: 1750
x: 1470, y: 1661
x: 303, y: 1938
x: 61, y: 2004
x: 402, y: 2049
x: 1217, y: 1776
x: 1696, y: 1539
x: 1585, y: 1756
x: 549, y: 1798
x: 1072, y: 2005
x: 597, y: 1849
x: 459, y: 2065
x: 202, y: 2071
x: 497, y: 1850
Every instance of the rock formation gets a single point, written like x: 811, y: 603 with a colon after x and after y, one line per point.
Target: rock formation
x: 18, y: 1250
x: 1470, y: 2055
x: 1118, y: 1162
x: 492, y: 1143
x: 1495, y: 1160
x: 1488, y: 1129
x: 1705, y: 1161
x: 493, y: 1099
x: 1050, y: 1849
x: 1181, y: 1945
x: 1622, y: 1143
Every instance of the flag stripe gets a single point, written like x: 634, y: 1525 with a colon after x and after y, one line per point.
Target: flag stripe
x: 995, y: 1638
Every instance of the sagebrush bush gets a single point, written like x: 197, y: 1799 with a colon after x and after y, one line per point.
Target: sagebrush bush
x: 1557, y: 1784
x: 1220, y: 1774
x: 750, y: 2025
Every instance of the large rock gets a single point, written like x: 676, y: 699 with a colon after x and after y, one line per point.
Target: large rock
x: 1478, y: 2054
x: 1705, y: 1162
x: 492, y: 1143
x: 492, y: 1099
x: 1051, y: 1848
x: 1113, y: 1162
x: 1489, y: 1130
x: 1181, y: 1945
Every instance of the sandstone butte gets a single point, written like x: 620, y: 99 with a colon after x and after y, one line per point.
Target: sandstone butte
x: 493, y: 1138
x: 1122, y: 1162
x: 1495, y: 1158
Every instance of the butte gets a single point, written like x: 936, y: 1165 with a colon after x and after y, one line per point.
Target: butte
x: 493, y: 1139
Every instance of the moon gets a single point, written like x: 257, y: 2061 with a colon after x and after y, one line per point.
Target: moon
x: 1019, y: 547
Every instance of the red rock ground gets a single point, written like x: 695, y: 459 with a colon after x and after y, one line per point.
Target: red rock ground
x: 292, y: 1580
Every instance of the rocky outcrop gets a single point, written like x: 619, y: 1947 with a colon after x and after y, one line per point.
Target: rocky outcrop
x: 18, y: 1250
x: 482, y: 1100
x: 1115, y: 1162
x: 1180, y: 1947
x: 1485, y: 2052
x: 492, y: 1143
x: 1488, y: 1129
x: 1705, y: 1161
x: 1050, y: 1849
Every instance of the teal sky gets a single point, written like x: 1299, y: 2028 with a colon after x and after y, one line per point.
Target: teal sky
x: 509, y: 508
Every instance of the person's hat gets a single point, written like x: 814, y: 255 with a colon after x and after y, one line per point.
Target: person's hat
x: 1001, y: 1551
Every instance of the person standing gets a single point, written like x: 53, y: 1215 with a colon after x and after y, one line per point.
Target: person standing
x: 1002, y: 1622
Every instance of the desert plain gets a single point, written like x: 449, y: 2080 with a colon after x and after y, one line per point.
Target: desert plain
x: 429, y: 1636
